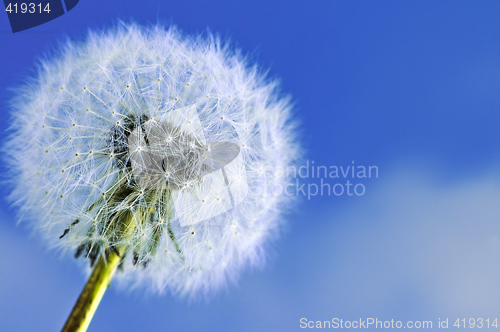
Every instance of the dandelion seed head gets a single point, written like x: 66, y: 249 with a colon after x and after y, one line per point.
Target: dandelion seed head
x: 177, y: 132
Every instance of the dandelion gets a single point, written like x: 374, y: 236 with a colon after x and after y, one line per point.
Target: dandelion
x: 152, y: 154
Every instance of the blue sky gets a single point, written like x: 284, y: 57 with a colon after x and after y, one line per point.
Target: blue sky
x: 408, y: 86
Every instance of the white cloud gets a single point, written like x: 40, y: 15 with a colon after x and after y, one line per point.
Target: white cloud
x: 415, y: 248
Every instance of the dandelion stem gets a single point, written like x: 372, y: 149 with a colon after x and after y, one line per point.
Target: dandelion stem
x: 99, y: 280
x: 90, y: 297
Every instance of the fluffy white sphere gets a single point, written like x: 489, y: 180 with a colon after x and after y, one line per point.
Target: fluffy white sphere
x: 178, y: 134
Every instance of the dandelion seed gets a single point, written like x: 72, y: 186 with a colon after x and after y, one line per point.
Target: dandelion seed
x: 158, y: 169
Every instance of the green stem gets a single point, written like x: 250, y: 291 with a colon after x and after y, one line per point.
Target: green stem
x: 123, y: 226
x: 86, y: 305
x: 91, y: 295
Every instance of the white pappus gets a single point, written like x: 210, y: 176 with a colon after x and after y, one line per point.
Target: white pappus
x: 178, y: 133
